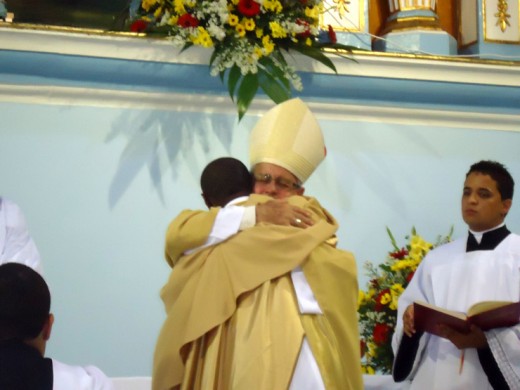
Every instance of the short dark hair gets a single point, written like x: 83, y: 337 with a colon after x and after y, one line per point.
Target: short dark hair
x: 25, y: 302
x: 224, y: 179
x: 499, y: 173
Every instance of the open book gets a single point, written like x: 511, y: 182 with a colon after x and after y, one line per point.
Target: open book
x: 486, y: 315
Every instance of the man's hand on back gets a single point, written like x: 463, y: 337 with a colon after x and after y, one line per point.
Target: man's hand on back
x: 280, y: 212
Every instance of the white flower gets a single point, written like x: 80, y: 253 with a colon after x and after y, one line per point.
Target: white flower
x: 216, y: 31
x: 177, y: 40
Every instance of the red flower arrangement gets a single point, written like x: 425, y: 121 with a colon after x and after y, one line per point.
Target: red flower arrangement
x: 248, y: 8
x: 188, y: 20
x: 138, y: 26
x: 381, y: 333
x: 378, y: 304
x: 251, y: 40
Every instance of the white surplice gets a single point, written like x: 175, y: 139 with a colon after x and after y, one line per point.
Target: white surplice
x: 453, y: 279
x: 16, y: 245
x: 67, y: 377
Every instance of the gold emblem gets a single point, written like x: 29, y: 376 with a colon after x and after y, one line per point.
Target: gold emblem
x: 341, y: 7
x: 502, y: 15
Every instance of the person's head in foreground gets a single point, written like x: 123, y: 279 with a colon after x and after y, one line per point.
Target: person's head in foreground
x: 487, y: 195
x: 25, y: 303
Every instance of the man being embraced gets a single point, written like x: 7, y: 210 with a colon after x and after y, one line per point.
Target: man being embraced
x: 274, y: 306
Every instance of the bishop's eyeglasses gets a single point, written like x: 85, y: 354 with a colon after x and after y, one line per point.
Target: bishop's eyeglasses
x: 280, y: 182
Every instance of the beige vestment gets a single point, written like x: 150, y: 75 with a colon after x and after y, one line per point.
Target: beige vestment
x: 232, y: 315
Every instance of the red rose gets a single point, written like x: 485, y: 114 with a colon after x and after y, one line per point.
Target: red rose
x: 249, y: 8
x: 381, y: 333
x: 307, y: 32
x: 188, y: 20
x: 363, y: 347
x: 138, y: 26
x: 409, y: 276
x: 400, y: 254
x: 332, y: 35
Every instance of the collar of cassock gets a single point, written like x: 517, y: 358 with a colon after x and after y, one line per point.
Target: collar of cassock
x: 488, y: 240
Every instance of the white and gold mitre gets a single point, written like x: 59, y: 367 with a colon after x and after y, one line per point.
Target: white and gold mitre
x: 289, y: 136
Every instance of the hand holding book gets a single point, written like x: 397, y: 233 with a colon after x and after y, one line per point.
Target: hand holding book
x: 485, y: 315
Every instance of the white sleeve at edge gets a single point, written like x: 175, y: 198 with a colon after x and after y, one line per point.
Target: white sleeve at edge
x: 505, y: 346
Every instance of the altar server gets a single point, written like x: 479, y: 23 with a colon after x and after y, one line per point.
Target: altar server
x: 482, y: 266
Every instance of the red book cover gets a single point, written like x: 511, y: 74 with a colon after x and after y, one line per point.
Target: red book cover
x: 486, y: 315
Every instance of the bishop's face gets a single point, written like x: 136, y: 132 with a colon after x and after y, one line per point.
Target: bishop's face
x: 275, y: 181
x: 482, y: 205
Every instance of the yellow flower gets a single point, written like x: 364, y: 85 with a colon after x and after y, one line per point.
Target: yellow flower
x: 178, y: 6
x: 259, y: 32
x: 277, y: 30
x: 415, y: 254
x: 249, y: 24
x: 417, y: 243
x: 173, y: 20
x: 396, y: 290
x: 367, y: 370
x: 273, y: 6
x: 268, y: 44
x: 361, y: 297
x: 240, y: 29
x: 312, y: 12
x: 233, y: 20
x: 308, y: 41
x: 203, y: 38
x: 398, y: 265
x: 385, y: 298
x: 371, y: 349
x: 408, y: 263
x: 158, y: 12
x: 147, y: 4
x: 258, y: 52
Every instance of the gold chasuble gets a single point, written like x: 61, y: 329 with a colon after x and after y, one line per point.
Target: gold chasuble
x: 232, y: 316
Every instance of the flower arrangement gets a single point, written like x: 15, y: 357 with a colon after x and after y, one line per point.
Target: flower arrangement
x: 249, y: 38
x: 378, y: 304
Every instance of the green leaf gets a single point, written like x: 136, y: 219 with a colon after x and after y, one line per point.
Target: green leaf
x: 212, y: 58
x: 275, y: 71
x: 273, y: 87
x: 246, y: 92
x: 392, y: 239
x: 234, y: 77
x: 317, y: 55
x: 336, y: 46
x: 187, y: 45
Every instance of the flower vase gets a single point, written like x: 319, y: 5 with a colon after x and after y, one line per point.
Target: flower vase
x: 349, y: 20
x: 413, y: 27
x: 490, y: 28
